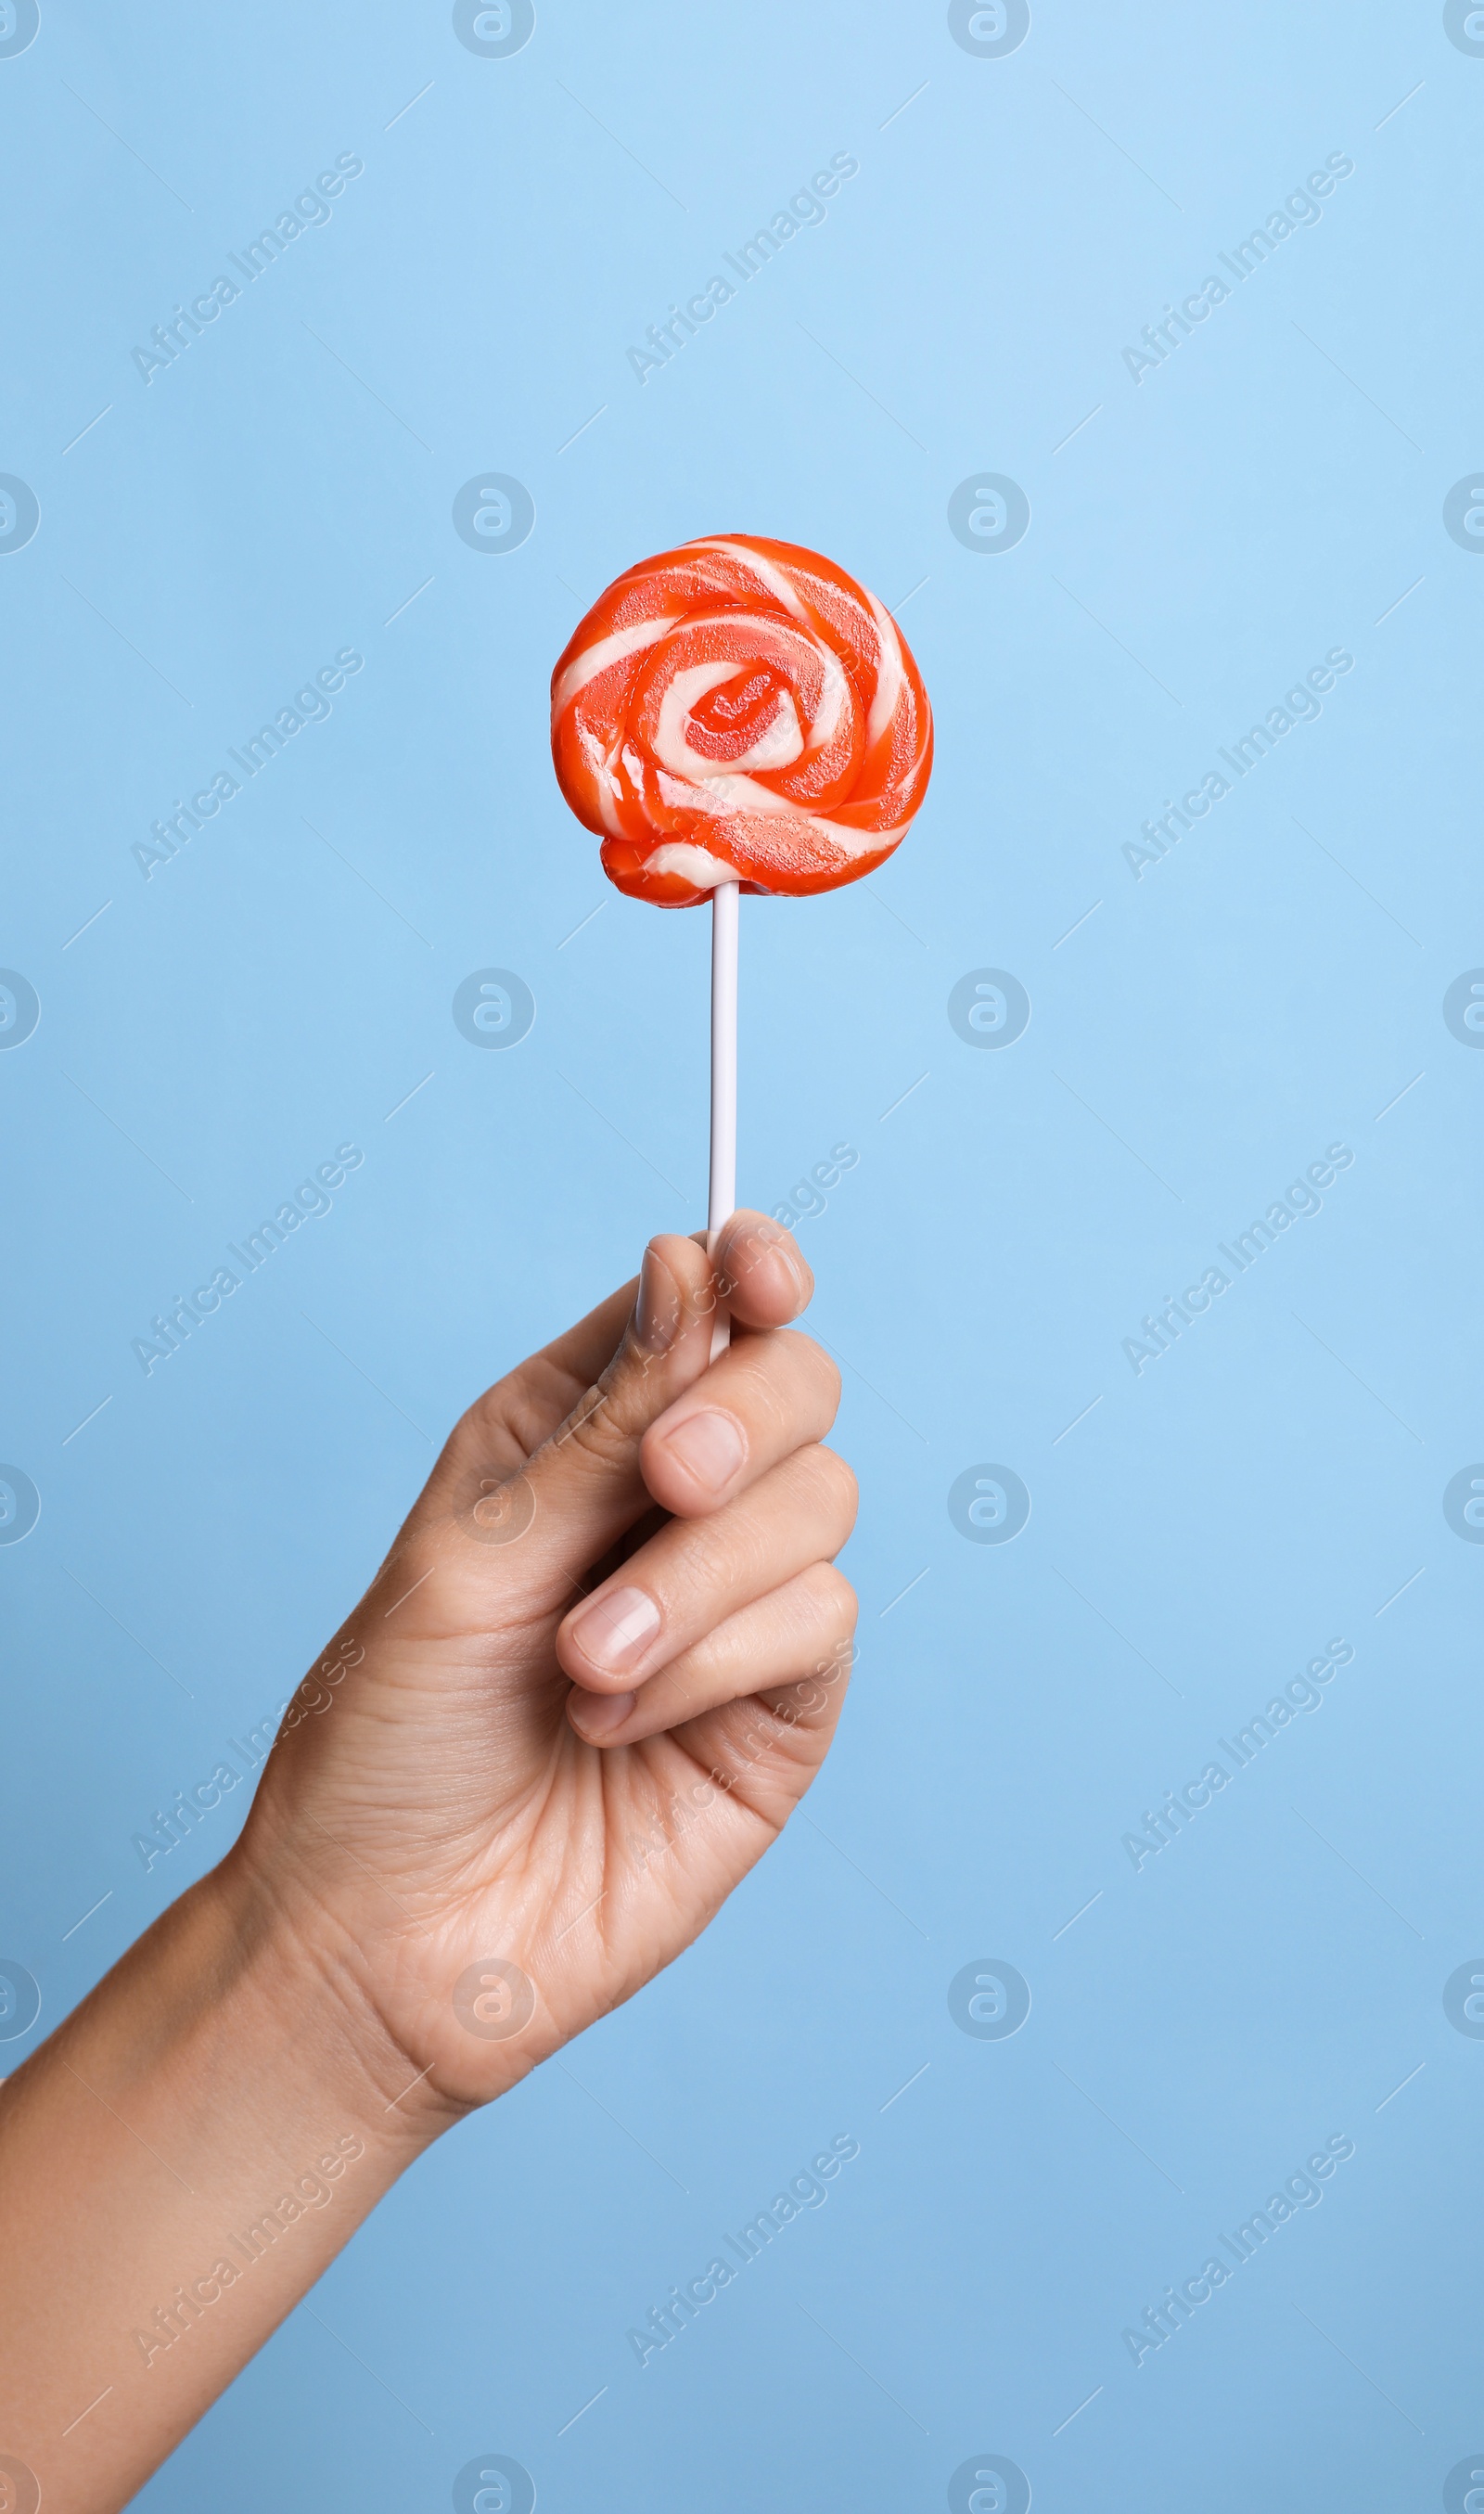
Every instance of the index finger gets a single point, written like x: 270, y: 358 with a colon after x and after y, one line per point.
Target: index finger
x: 762, y: 1274
x: 578, y: 1485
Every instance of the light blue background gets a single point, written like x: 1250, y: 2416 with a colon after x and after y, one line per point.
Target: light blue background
x: 1273, y: 1481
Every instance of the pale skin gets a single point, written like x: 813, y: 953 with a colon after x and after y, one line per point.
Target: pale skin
x: 596, y: 1673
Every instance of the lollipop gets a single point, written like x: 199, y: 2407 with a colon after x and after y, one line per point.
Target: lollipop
x: 738, y: 714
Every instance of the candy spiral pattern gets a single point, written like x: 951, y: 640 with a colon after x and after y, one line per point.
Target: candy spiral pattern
x: 740, y: 710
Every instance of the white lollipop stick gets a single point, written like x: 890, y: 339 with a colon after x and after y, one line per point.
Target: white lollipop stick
x: 721, y: 1202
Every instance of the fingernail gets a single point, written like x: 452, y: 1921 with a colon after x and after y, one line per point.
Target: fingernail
x: 710, y: 1445
x: 598, y: 1714
x: 613, y: 1632
x: 657, y: 1311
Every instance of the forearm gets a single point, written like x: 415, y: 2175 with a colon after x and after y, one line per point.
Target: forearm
x: 178, y: 2165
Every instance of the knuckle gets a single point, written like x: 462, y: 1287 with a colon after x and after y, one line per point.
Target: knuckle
x: 502, y: 1418
x: 814, y: 1371
x: 839, y: 1606
x: 594, y: 1429
x: 820, y: 1371
x: 841, y: 1490
x: 759, y: 1388
x: 790, y: 1383
x: 825, y: 1610
x: 828, y: 1488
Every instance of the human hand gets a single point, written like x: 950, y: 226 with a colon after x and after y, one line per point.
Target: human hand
x: 596, y: 1673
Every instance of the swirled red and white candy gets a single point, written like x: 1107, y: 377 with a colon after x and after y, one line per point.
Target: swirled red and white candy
x: 740, y: 710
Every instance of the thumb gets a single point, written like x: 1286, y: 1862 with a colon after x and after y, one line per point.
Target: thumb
x: 583, y: 1487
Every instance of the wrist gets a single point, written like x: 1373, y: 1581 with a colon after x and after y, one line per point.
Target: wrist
x: 296, y: 1985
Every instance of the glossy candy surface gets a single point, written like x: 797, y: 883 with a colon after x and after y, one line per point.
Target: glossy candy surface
x: 740, y: 710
